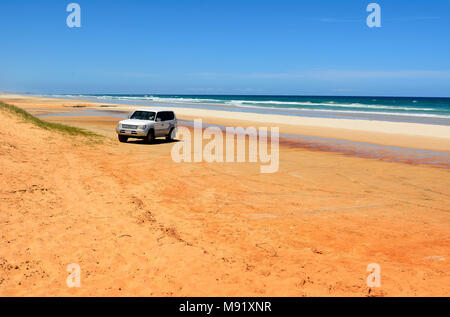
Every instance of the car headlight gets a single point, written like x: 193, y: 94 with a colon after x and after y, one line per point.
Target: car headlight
x: 142, y: 127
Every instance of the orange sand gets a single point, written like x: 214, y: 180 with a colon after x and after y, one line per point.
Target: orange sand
x: 139, y: 224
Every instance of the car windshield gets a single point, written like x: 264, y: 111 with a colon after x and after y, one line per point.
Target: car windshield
x: 143, y: 115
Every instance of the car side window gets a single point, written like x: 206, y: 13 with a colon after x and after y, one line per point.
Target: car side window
x: 160, y: 116
x: 170, y: 116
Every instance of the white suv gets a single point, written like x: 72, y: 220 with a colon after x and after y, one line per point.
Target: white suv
x: 148, y: 124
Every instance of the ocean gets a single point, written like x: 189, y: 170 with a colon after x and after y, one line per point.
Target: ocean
x: 399, y: 109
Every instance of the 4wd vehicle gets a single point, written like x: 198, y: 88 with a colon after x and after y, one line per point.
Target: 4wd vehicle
x: 148, y: 124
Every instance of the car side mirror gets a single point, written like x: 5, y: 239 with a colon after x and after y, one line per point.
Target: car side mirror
x: 129, y: 116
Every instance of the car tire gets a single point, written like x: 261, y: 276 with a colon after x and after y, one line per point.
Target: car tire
x: 172, y: 135
x: 123, y: 139
x: 150, y: 136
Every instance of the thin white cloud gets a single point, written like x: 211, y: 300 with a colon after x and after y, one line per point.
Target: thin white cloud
x: 398, y: 19
x: 408, y: 19
x: 335, y: 74
x: 368, y: 74
x: 337, y: 20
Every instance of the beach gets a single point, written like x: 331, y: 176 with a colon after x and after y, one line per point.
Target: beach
x: 139, y: 224
x: 403, y: 134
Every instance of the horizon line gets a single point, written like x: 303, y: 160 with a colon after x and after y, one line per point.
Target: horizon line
x: 222, y: 94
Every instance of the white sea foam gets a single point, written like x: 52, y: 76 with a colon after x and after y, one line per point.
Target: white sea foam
x: 159, y: 99
x: 241, y: 103
x: 325, y: 104
x: 281, y: 105
x: 353, y: 111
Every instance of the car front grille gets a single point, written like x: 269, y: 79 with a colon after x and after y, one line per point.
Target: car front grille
x: 127, y: 126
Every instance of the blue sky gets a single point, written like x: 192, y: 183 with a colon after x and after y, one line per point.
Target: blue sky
x: 297, y: 47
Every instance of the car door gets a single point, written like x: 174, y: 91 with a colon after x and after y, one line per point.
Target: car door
x: 170, y: 119
x: 160, y: 124
x: 166, y: 120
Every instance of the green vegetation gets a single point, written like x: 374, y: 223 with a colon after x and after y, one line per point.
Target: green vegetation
x: 45, y: 124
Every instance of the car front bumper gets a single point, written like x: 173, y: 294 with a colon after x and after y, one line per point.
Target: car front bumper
x: 131, y: 132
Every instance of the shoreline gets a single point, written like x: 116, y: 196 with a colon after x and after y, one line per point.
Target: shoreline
x: 336, y: 108
x: 401, y: 134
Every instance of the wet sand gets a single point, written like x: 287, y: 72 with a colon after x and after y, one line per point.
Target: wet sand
x: 139, y: 224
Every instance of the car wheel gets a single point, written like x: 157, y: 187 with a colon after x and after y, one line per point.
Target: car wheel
x: 150, y: 136
x: 123, y: 138
x: 172, y: 135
